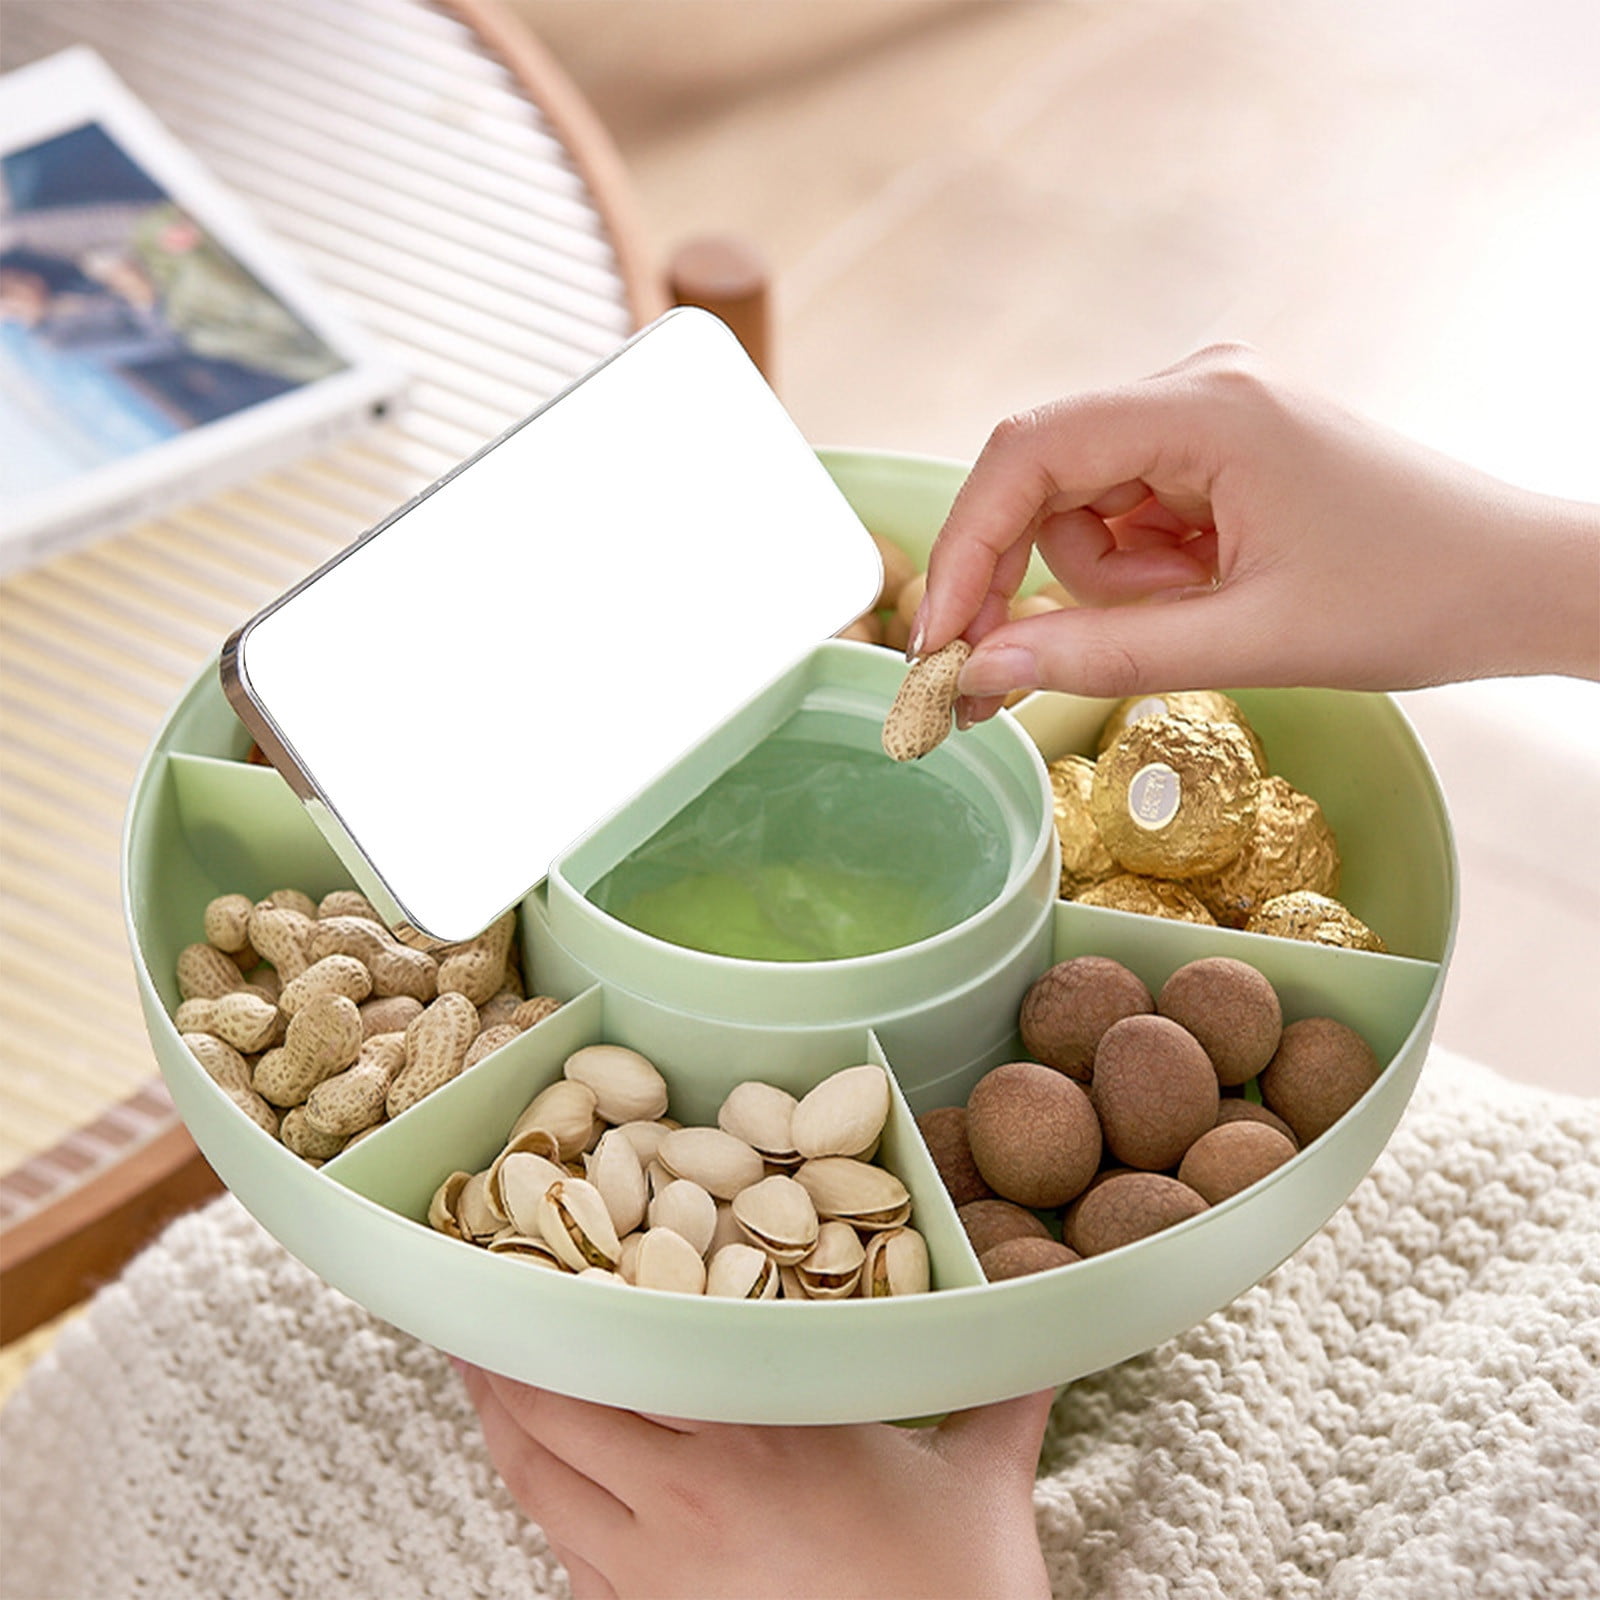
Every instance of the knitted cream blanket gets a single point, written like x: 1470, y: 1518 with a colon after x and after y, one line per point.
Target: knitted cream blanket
x: 1409, y: 1407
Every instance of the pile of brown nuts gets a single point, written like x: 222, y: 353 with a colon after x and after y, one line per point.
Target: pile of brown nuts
x: 320, y: 1025
x: 1137, y: 1110
x: 779, y: 1200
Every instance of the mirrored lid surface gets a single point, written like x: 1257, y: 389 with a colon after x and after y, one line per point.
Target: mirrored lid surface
x: 511, y: 655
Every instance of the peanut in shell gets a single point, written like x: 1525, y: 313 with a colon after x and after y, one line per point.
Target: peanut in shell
x: 921, y: 716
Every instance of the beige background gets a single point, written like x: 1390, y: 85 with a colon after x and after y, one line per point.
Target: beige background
x: 972, y: 207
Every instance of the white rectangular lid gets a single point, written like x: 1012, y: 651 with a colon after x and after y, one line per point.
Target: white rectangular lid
x: 511, y: 655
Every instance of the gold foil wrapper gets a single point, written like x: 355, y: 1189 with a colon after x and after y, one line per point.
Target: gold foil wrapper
x: 1204, y: 705
x: 1150, y: 897
x: 1291, y: 847
x: 1084, y: 857
x: 1175, y: 797
x: 1315, y: 919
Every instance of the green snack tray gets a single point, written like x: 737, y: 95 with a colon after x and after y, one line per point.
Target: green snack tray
x: 202, y: 822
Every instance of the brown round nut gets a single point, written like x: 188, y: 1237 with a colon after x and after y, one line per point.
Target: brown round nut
x: 1233, y: 1109
x: 992, y: 1222
x: 1231, y: 1009
x: 1034, y: 1134
x: 1069, y: 1217
x: 1130, y: 1206
x: 1067, y: 1010
x: 944, y: 1131
x: 1232, y: 1157
x: 1320, y: 1070
x: 1016, y: 1258
x: 1155, y: 1091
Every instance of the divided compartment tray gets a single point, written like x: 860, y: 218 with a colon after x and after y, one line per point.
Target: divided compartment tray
x: 204, y: 823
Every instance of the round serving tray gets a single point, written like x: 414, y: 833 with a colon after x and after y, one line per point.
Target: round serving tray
x: 203, y: 822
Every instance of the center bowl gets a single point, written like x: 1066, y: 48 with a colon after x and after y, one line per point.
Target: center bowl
x: 203, y: 822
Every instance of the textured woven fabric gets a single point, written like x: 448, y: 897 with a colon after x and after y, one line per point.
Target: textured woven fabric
x: 1409, y: 1407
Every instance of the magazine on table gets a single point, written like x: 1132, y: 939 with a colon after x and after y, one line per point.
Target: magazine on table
x: 155, y: 344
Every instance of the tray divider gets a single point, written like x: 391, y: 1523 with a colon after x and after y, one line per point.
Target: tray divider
x: 951, y: 1262
x: 463, y: 1124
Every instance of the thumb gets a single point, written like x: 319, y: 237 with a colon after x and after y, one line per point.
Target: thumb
x: 1199, y: 639
x: 1006, y: 1434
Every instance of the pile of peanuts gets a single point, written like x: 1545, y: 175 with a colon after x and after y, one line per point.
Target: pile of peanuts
x: 320, y: 1025
x: 888, y: 620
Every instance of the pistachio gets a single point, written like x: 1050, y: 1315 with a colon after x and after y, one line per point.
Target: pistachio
x: 524, y: 1247
x: 645, y: 1137
x: 844, y: 1114
x: 566, y: 1111
x: 442, y: 1207
x: 476, y: 1214
x: 715, y: 1160
x: 688, y: 1210
x: 742, y: 1272
x: 626, y: 1085
x: 628, y: 1259
x: 790, y: 1286
x: 778, y: 1215
x: 832, y: 1269
x: 517, y: 1183
x: 897, y: 1263
x: 854, y: 1192
x: 666, y: 1260
x: 727, y: 1230
x: 573, y: 1218
x: 761, y: 1114
x: 532, y: 1142
x: 601, y: 1273
x: 614, y: 1170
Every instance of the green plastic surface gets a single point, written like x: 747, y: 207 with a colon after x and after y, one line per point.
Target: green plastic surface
x: 202, y: 823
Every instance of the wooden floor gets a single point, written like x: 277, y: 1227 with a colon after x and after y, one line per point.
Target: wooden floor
x: 973, y: 207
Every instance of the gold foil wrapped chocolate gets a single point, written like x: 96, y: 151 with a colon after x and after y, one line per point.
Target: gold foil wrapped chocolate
x: 1175, y: 797
x: 1204, y: 705
x: 1291, y: 847
x: 1084, y: 857
x: 1316, y: 919
x: 1150, y: 897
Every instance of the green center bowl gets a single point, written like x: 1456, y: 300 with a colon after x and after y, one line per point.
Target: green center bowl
x: 202, y: 823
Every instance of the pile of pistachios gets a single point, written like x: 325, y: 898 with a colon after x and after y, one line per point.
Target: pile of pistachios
x: 779, y: 1200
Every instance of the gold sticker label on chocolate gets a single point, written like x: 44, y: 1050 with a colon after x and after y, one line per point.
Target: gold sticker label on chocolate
x: 1155, y: 792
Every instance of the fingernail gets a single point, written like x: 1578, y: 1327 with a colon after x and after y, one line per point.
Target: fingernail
x: 919, y: 632
x: 963, y: 714
x: 998, y: 670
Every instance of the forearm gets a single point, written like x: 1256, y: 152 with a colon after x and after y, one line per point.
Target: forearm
x: 1546, y: 618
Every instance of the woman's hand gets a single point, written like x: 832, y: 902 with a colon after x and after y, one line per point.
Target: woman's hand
x: 1307, y: 546
x: 643, y: 1506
